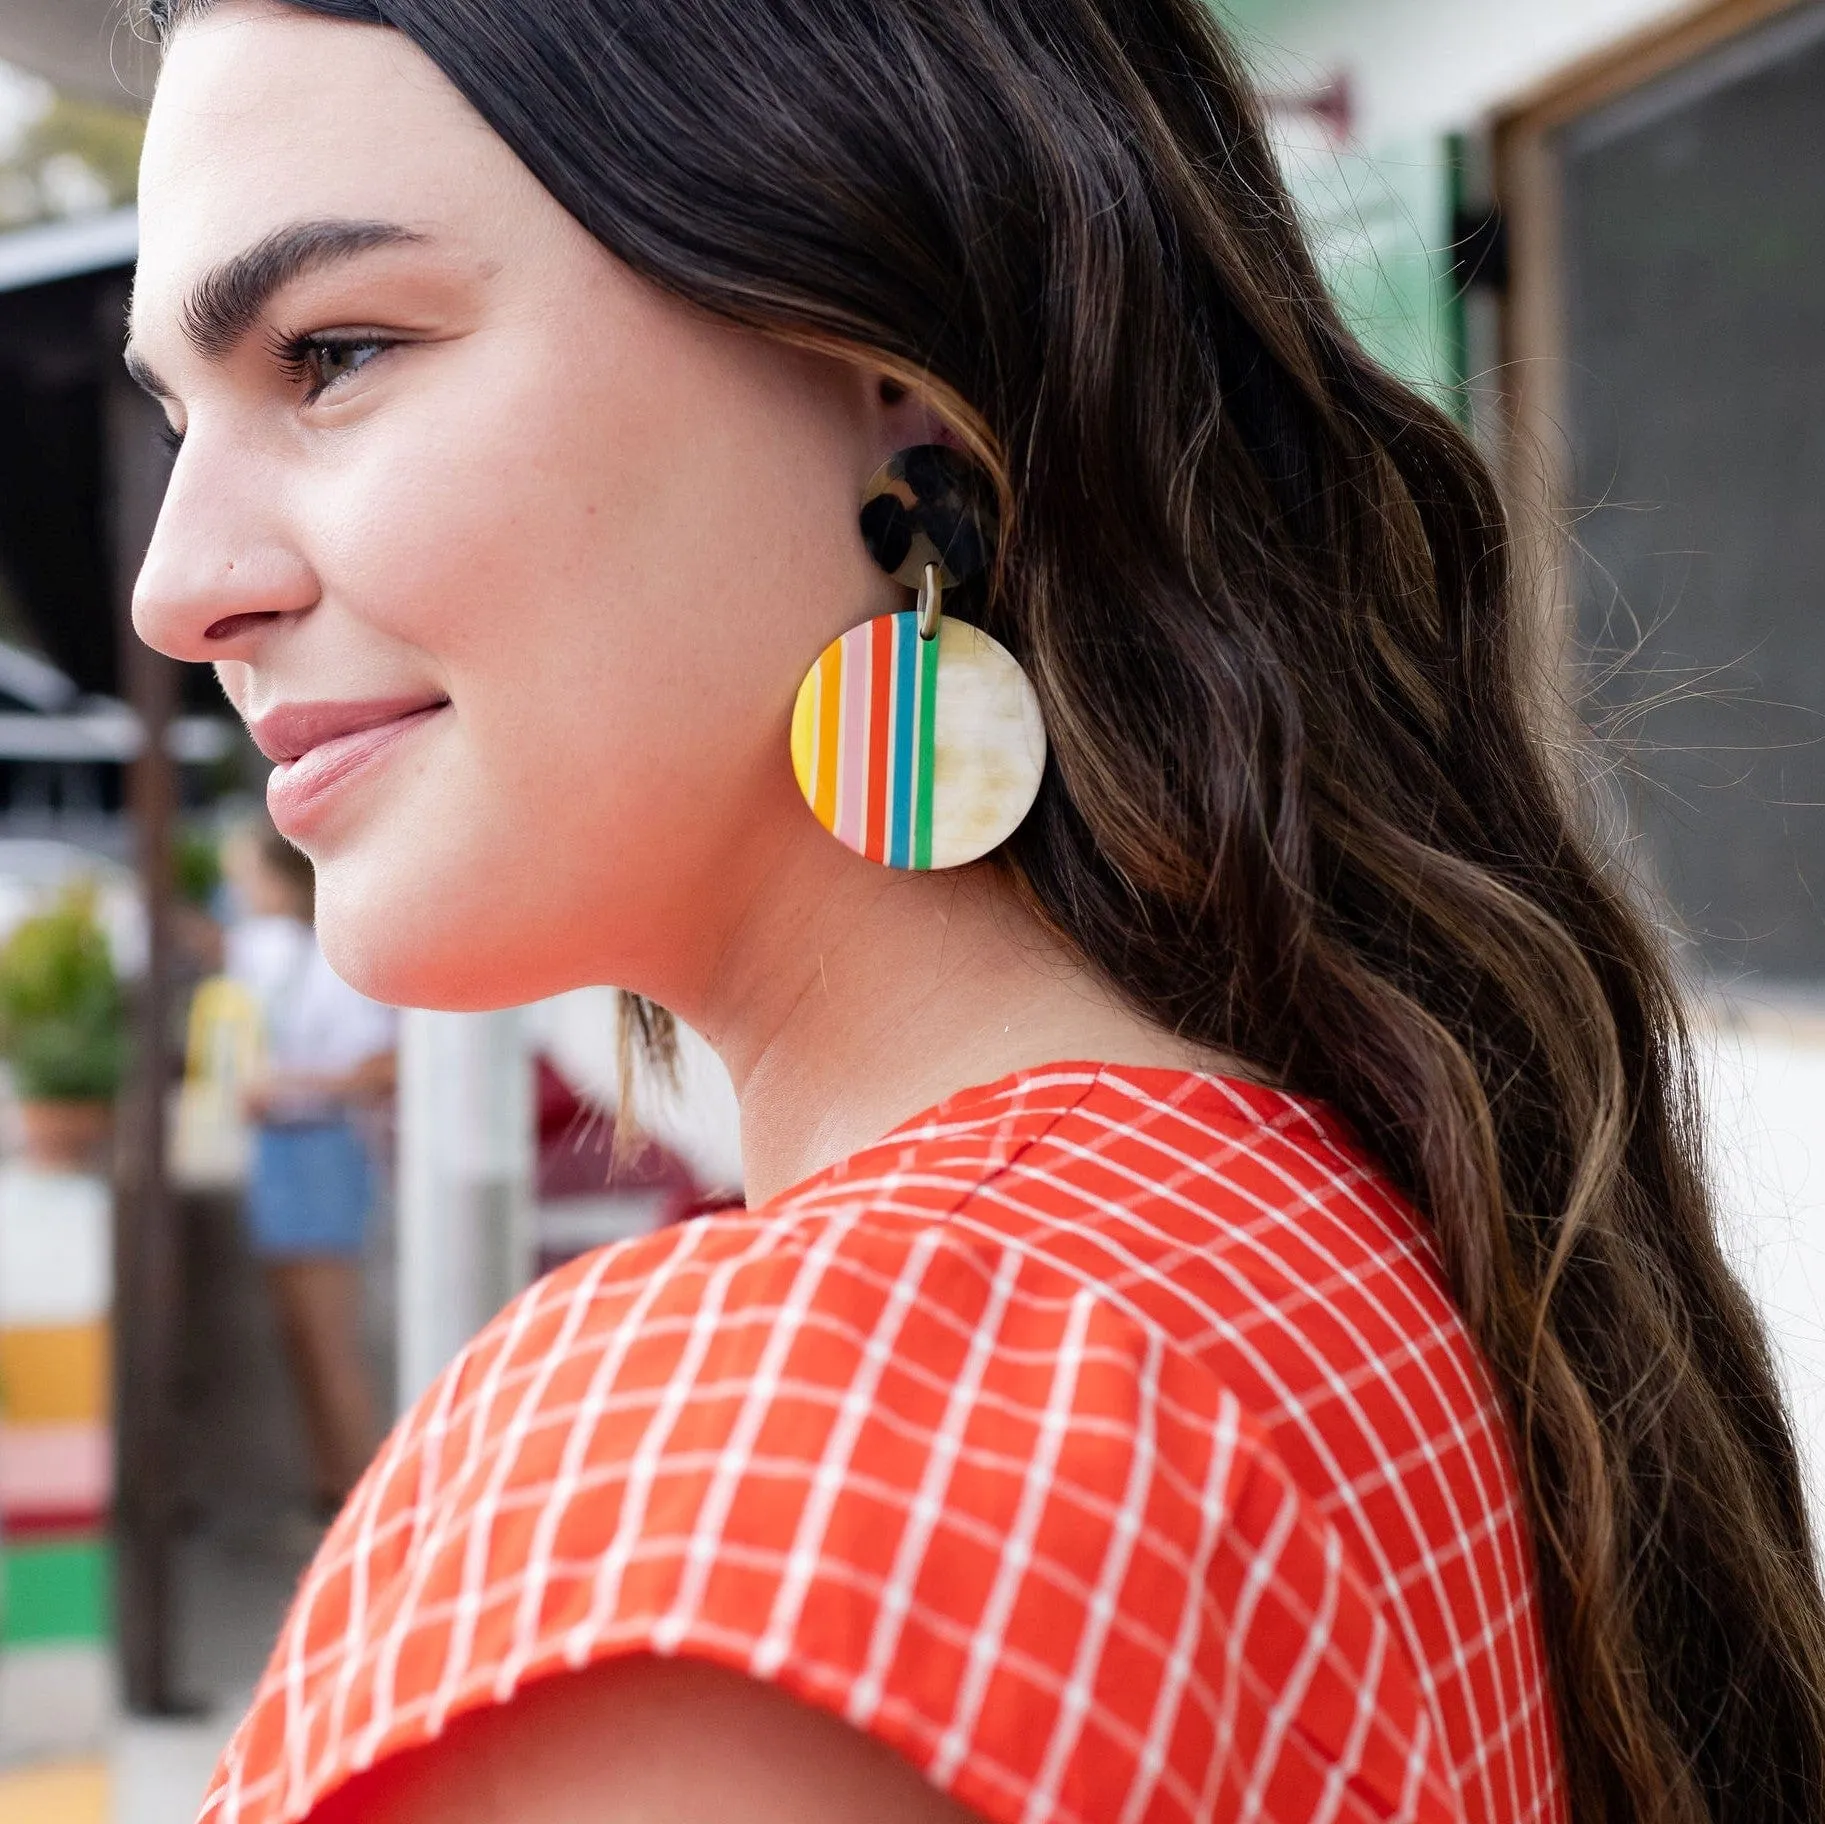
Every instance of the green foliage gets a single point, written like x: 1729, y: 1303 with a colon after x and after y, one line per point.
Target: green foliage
x: 107, y: 140
x: 197, y: 865
x: 63, y: 1024
x: 75, y: 156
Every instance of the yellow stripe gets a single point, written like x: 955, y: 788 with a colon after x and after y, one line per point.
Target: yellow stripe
x: 804, y: 732
x: 829, y: 732
x: 77, y: 1793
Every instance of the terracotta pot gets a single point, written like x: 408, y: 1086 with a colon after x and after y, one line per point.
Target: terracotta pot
x: 66, y: 1136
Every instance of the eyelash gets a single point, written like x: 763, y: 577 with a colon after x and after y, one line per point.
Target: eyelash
x: 296, y: 354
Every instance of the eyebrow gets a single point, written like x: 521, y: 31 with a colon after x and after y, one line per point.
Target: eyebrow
x: 227, y: 301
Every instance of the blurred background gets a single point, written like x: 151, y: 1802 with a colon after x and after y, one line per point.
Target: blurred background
x: 1589, y: 228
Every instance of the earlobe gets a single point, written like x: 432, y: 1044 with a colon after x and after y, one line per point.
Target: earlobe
x: 904, y: 419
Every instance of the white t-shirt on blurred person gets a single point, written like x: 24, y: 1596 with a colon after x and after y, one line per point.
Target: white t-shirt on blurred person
x: 313, y: 1021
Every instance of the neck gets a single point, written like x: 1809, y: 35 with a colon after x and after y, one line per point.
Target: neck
x: 902, y: 989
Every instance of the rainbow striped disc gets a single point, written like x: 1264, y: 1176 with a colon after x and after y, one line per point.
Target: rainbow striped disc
x: 918, y: 753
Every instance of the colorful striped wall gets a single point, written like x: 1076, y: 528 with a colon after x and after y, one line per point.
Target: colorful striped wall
x: 56, y: 1463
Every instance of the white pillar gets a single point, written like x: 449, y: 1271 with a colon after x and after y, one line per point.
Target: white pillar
x: 465, y: 1181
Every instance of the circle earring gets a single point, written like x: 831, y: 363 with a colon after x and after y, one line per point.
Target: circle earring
x: 916, y: 738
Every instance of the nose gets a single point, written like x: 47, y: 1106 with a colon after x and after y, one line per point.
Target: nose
x: 220, y: 570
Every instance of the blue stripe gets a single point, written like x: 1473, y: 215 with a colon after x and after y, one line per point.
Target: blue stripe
x: 900, y: 777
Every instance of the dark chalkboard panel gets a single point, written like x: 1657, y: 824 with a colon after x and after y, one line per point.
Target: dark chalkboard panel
x: 1694, y: 250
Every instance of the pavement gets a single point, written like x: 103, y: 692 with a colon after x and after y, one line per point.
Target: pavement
x: 152, y: 1773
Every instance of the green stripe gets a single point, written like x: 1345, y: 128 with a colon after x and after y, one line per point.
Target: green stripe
x: 928, y: 721
x: 62, y: 1590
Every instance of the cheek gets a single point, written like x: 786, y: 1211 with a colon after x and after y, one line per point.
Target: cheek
x: 621, y: 617
x: 608, y: 539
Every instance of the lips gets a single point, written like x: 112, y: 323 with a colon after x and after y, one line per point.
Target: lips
x: 293, y: 729
x: 318, y: 748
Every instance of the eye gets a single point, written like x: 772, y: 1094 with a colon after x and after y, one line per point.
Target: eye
x: 319, y: 362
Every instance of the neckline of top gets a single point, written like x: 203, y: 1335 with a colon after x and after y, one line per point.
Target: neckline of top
x: 1054, y: 1089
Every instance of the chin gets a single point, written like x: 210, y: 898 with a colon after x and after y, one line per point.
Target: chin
x: 420, y: 944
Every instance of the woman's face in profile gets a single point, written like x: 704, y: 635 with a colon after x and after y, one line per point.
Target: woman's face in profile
x: 523, y: 558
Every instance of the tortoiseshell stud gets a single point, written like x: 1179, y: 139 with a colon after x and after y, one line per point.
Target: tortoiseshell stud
x: 916, y: 738
x: 929, y: 504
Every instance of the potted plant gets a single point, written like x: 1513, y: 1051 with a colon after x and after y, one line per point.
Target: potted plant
x: 63, y: 1030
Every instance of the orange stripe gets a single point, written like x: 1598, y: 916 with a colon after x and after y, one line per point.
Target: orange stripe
x: 880, y: 713
x: 829, y: 724
x: 57, y: 1374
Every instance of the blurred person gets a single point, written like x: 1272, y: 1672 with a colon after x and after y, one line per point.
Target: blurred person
x: 860, y: 523
x: 328, y: 1058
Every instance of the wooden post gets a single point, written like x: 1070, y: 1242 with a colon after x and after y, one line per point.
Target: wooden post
x: 148, y: 1301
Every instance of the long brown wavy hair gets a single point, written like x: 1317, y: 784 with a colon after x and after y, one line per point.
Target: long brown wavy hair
x: 1298, y: 807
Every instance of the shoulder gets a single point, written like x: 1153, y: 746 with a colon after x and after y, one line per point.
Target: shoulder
x: 1202, y: 1207
x: 917, y: 1472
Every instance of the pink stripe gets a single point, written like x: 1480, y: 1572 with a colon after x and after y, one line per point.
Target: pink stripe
x: 55, y: 1467
x: 852, y: 779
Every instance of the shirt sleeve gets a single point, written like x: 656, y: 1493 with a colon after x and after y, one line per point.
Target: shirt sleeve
x: 957, y: 1500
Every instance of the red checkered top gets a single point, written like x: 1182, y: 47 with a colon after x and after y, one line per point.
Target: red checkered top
x: 1105, y: 1441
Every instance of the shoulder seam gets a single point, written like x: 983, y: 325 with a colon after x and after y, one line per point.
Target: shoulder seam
x: 1022, y: 1149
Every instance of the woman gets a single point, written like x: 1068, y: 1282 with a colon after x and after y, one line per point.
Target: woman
x: 329, y: 1056
x: 1230, y: 1323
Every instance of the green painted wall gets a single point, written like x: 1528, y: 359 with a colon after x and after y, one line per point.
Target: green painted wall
x: 1380, y: 226
x: 1379, y: 219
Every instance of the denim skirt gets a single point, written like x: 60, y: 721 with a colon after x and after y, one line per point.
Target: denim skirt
x: 309, y: 1189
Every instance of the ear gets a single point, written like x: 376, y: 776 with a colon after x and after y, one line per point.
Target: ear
x: 902, y: 418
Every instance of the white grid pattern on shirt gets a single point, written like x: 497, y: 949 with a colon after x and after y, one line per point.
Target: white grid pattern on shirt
x: 1247, y: 1239
x: 1204, y: 1234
